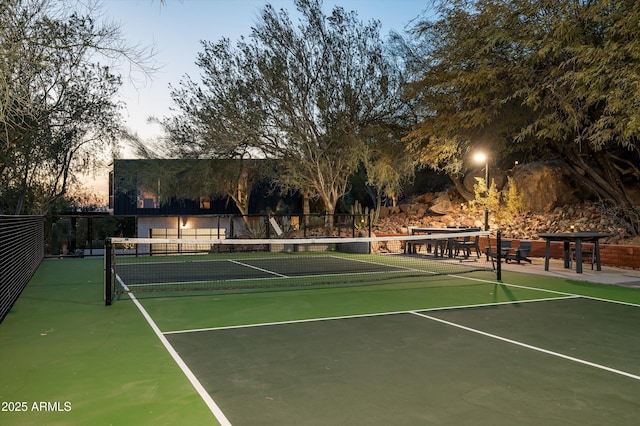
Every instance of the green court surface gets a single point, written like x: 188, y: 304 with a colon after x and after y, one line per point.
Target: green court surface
x: 457, y: 349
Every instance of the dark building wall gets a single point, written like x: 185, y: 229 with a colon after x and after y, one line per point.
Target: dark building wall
x: 128, y: 195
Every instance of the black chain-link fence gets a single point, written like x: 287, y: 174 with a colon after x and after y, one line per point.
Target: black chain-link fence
x: 21, y: 251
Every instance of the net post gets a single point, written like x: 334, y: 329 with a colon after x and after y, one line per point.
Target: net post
x: 369, y: 226
x: 108, y: 273
x: 499, y: 256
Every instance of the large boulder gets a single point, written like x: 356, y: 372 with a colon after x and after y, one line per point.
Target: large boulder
x: 442, y: 204
x: 544, y: 186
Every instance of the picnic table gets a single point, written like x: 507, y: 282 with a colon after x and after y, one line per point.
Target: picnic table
x: 577, y: 238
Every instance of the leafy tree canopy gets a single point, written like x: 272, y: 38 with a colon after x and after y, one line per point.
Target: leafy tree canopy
x: 312, y: 95
x: 542, y: 78
x: 58, y: 109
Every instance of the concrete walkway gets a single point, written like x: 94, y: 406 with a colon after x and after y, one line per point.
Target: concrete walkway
x: 608, y: 275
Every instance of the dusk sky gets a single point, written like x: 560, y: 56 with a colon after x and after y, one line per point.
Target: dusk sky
x: 175, y: 30
x: 177, y: 27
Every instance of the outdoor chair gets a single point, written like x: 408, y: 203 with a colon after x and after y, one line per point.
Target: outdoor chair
x: 588, y: 253
x: 505, y: 246
x: 520, y: 254
x: 441, y: 246
x: 466, y: 245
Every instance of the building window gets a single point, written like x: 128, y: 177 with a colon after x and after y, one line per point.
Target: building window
x: 147, y: 198
x: 205, y: 203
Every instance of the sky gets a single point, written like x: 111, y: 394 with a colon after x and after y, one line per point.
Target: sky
x: 175, y: 28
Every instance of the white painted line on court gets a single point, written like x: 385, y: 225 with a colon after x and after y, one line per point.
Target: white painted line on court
x: 514, y: 285
x: 394, y: 268
x: 600, y: 299
x: 267, y: 324
x: 259, y: 269
x: 617, y: 302
x: 213, y: 407
x: 375, y: 314
x: 525, y: 345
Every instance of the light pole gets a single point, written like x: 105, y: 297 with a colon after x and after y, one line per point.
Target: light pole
x: 481, y: 157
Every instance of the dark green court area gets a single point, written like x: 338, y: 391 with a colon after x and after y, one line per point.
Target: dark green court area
x: 406, y: 369
x: 442, y: 350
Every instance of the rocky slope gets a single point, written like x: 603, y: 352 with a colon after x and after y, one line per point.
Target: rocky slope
x: 422, y: 212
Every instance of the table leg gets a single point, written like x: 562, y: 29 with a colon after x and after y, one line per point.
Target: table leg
x: 567, y: 254
x: 597, y: 254
x: 578, y: 255
x: 547, y: 254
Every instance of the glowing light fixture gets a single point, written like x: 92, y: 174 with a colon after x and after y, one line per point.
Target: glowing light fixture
x: 481, y: 157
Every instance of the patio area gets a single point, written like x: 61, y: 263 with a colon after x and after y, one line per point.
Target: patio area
x: 609, y: 275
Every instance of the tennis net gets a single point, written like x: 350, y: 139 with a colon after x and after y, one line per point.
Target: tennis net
x: 169, y: 265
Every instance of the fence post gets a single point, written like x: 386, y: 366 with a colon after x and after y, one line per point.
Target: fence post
x: 108, y: 273
x: 499, y: 256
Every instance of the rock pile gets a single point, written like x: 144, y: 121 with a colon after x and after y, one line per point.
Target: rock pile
x: 427, y: 211
x: 553, y: 200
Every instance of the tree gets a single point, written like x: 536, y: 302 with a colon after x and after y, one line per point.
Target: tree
x: 301, y: 95
x: 58, y: 111
x: 545, y: 78
x: 228, y: 173
x: 388, y: 162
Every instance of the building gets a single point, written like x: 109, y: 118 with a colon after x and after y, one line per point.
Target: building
x: 189, y: 198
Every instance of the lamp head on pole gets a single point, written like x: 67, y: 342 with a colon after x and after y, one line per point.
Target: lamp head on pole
x: 480, y: 157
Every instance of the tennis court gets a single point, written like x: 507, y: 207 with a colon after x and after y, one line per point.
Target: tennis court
x: 418, y: 348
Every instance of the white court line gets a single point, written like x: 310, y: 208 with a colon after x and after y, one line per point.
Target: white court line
x: 213, y: 407
x: 398, y: 268
x: 259, y: 269
x: 525, y: 345
x: 375, y: 314
x: 564, y: 293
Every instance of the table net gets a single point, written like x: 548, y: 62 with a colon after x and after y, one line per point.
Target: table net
x: 183, y: 265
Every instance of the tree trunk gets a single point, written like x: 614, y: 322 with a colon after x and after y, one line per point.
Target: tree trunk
x: 602, y: 178
x: 330, y: 220
x: 329, y: 202
x: 306, y: 208
x: 19, y: 204
x: 458, y: 181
